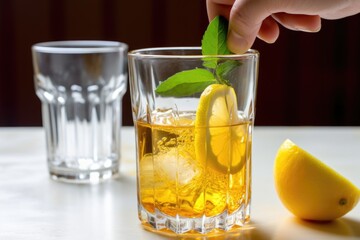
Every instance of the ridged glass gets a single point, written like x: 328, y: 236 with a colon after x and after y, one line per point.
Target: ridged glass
x: 81, y: 85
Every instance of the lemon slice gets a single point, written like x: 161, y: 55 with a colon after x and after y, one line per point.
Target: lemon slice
x: 310, y: 189
x: 220, y: 138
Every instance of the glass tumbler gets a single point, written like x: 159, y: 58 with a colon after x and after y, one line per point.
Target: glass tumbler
x: 81, y: 85
x: 193, y: 140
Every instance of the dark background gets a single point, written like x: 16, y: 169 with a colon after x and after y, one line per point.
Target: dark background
x: 304, y: 78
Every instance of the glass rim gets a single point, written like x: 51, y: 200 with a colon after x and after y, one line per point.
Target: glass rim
x: 79, y: 46
x: 142, y: 53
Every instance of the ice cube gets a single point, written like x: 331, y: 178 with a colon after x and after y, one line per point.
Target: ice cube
x: 172, y: 117
x: 170, y: 177
x: 172, y: 166
x: 164, y: 117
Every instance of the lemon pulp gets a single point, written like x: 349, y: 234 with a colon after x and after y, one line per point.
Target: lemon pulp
x: 220, y: 137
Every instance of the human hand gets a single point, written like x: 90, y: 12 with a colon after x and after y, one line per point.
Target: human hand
x: 249, y: 19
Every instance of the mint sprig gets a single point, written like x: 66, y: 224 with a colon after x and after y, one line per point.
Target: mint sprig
x: 193, y: 81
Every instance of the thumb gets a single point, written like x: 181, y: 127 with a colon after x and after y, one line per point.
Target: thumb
x: 240, y: 41
x: 246, y: 17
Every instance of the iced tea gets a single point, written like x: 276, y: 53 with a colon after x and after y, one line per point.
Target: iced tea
x: 193, y: 116
x: 174, y: 182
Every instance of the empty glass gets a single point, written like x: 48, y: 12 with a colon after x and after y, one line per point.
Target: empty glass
x: 81, y: 85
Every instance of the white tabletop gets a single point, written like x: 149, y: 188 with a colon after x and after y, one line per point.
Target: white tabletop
x: 32, y: 206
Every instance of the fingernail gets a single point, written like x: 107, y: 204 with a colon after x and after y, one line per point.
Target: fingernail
x: 308, y: 29
x: 237, y: 43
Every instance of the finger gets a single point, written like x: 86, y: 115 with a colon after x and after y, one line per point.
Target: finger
x: 246, y: 18
x: 299, y: 22
x: 269, y: 30
x: 219, y: 8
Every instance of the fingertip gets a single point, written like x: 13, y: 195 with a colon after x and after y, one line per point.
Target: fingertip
x: 269, y: 41
x: 237, y: 43
x: 317, y: 24
x: 313, y: 23
x: 299, y: 22
x: 269, y: 30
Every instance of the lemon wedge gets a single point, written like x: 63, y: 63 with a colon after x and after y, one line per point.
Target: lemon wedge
x: 220, y: 136
x: 310, y: 189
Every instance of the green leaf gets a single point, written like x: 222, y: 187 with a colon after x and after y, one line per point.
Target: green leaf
x: 224, y: 69
x: 214, y: 40
x: 186, y: 83
x: 193, y: 81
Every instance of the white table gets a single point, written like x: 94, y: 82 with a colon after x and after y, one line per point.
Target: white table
x: 32, y: 206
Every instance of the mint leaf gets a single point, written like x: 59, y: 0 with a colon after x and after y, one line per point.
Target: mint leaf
x: 224, y: 69
x: 214, y: 40
x: 186, y: 83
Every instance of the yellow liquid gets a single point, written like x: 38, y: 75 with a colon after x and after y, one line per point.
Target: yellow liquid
x: 173, y: 181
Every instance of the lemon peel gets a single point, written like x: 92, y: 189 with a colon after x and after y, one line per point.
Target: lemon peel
x: 309, y: 188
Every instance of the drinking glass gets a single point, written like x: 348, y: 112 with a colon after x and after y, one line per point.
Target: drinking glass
x: 81, y: 85
x: 193, y: 152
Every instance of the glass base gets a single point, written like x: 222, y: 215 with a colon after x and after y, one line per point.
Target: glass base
x: 172, y: 226
x: 93, y: 176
